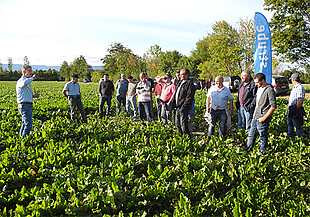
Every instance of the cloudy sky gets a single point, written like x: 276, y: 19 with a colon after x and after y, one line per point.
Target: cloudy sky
x: 49, y: 32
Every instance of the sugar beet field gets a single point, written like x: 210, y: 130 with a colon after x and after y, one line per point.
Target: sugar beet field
x: 116, y: 167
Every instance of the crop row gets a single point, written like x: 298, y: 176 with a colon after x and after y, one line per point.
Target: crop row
x: 117, y: 167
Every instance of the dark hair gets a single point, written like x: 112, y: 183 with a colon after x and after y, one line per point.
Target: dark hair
x: 130, y: 77
x: 260, y: 76
x: 169, y: 76
x: 75, y: 76
x: 186, y: 70
x: 105, y: 74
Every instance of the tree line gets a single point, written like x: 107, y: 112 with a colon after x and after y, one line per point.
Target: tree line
x: 227, y: 50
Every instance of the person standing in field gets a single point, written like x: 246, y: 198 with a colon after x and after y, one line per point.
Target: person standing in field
x: 106, y: 91
x: 157, y: 92
x: 295, y: 112
x: 144, y: 97
x: 246, y: 101
x: 121, y: 87
x: 25, y: 99
x: 74, y: 97
x: 131, y: 98
x: 168, y: 89
x: 217, y: 102
x: 265, y: 106
x: 183, y: 101
x: 208, y: 84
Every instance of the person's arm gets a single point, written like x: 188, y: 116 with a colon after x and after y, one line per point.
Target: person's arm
x: 80, y: 94
x: 268, y: 114
x: 208, y: 104
x: 231, y: 104
x: 64, y: 92
x: 299, y: 103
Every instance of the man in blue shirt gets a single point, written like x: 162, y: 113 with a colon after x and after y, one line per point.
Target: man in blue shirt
x: 217, y: 101
x: 121, y: 87
x: 74, y: 97
x: 295, y: 111
x: 25, y: 99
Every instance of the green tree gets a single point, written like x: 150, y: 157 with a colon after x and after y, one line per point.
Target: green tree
x: 121, y: 59
x: 26, y: 61
x: 187, y: 62
x: 96, y: 75
x: 81, y: 68
x: 290, y: 27
x: 246, y: 32
x: 151, y: 59
x: 10, y: 64
x: 65, y: 70
x: 168, y: 61
x: 1, y: 69
x: 224, y: 50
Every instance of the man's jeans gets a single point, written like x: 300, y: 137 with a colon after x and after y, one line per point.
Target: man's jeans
x: 291, y: 123
x: 76, y: 102
x: 166, y: 113
x: 120, y: 100
x: 181, y: 122
x: 133, y: 102
x: 245, y: 119
x: 218, y: 115
x: 146, y: 106
x: 26, y: 112
x: 104, y: 99
x: 261, y: 129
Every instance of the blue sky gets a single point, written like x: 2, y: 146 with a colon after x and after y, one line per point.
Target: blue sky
x: 50, y: 32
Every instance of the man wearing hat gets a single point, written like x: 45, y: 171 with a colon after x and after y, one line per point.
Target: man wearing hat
x: 295, y: 111
x: 74, y: 97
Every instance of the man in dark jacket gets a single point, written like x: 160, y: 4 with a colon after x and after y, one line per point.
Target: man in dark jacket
x: 265, y: 106
x: 246, y: 100
x: 106, y: 91
x: 183, y: 101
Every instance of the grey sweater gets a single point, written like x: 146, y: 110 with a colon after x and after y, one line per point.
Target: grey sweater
x: 267, y: 100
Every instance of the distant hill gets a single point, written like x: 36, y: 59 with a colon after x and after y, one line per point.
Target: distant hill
x: 17, y: 67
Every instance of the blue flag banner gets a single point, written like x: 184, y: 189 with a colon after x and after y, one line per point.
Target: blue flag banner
x: 262, y: 49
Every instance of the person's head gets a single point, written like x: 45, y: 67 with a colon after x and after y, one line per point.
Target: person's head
x: 219, y: 81
x: 27, y: 71
x: 106, y: 77
x: 75, y: 78
x: 246, y: 76
x: 130, y: 79
x: 184, y: 74
x: 168, y: 78
x: 143, y: 76
x: 260, y: 79
x: 158, y: 79
x: 295, y: 78
x: 123, y: 76
x: 177, y: 75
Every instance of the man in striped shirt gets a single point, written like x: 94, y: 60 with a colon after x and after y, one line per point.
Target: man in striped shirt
x: 295, y: 111
x: 144, y: 97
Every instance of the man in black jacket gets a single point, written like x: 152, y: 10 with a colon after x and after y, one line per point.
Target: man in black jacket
x: 246, y: 100
x: 183, y: 101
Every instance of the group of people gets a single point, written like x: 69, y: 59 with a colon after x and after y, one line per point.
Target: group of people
x: 256, y: 102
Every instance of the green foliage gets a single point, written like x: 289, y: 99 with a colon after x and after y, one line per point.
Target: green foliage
x: 65, y: 70
x: 97, y: 75
x: 111, y: 167
x: 290, y: 28
x: 168, y: 61
x: 81, y: 68
x: 224, y: 52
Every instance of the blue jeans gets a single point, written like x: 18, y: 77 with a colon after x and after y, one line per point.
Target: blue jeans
x: 146, y: 106
x: 245, y: 119
x: 181, y: 122
x: 133, y: 102
x: 218, y: 115
x: 166, y: 113
x: 104, y: 99
x: 261, y: 129
x: 291, y: 123
x: 26, y: 112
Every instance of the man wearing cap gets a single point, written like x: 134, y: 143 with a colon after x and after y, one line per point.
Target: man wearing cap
x: 25, y: 99
x: 295, y: 112
x: 74, y: 97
